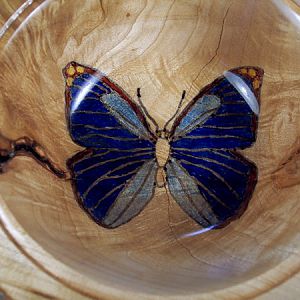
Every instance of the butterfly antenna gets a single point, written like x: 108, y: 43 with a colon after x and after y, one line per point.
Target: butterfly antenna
x: 138, y: 93
x: 177, y: 110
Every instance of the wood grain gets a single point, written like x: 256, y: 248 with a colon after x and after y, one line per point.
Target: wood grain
x: 163, y: 47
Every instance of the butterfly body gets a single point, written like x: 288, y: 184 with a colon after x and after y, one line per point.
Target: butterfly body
x: 115, y: 177
x: 162, y: 152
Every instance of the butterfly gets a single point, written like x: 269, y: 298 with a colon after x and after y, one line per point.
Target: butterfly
x: 115, y: 176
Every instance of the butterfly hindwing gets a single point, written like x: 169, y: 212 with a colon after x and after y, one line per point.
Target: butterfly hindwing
x: 114, y: 177
x: 113, y: 186
x: 222, y: 118
x: 224, y: 180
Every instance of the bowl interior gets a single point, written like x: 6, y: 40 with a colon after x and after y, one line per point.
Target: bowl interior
x: 164, y: 48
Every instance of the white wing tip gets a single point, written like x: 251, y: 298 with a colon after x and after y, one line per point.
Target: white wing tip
x: 241, y: 86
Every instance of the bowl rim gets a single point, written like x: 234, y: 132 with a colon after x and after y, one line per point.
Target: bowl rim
x: 70, y: 278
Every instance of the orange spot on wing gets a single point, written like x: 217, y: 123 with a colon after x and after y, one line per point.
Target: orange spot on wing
x: 252, y: 73
x: 70, y: 71
x: 70, y: 81
x: 80, y: 69
x: 256, y: 84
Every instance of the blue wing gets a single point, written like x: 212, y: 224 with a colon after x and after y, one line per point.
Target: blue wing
x: 114, y: 177
x: 223, y: 184
x: 223, y: 115
x: 113, y: 186
x: 100, y: 114
x: 215, y: 181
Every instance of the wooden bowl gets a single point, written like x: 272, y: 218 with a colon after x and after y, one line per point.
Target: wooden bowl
x: 163, y: 47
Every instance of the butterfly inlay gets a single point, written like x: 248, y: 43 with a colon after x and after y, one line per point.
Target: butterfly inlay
x: 115, y: 177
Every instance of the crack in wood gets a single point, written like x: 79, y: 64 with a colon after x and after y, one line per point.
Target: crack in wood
x: 26, y: 146
x: 216, y: 50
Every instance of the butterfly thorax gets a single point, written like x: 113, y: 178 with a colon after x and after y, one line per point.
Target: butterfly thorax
x: 162, y: 151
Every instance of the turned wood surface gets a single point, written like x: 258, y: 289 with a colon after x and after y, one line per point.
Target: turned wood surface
x: 50, y: 248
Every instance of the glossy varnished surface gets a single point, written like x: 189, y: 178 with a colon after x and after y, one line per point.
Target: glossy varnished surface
x: 163, y: 47
x: 114, y: 178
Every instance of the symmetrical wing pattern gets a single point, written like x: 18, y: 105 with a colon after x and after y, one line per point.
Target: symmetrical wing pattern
x: 203, y: 152
x: 115, y: 177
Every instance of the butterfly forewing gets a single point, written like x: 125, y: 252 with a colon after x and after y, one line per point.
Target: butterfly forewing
x: 232, y: 126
